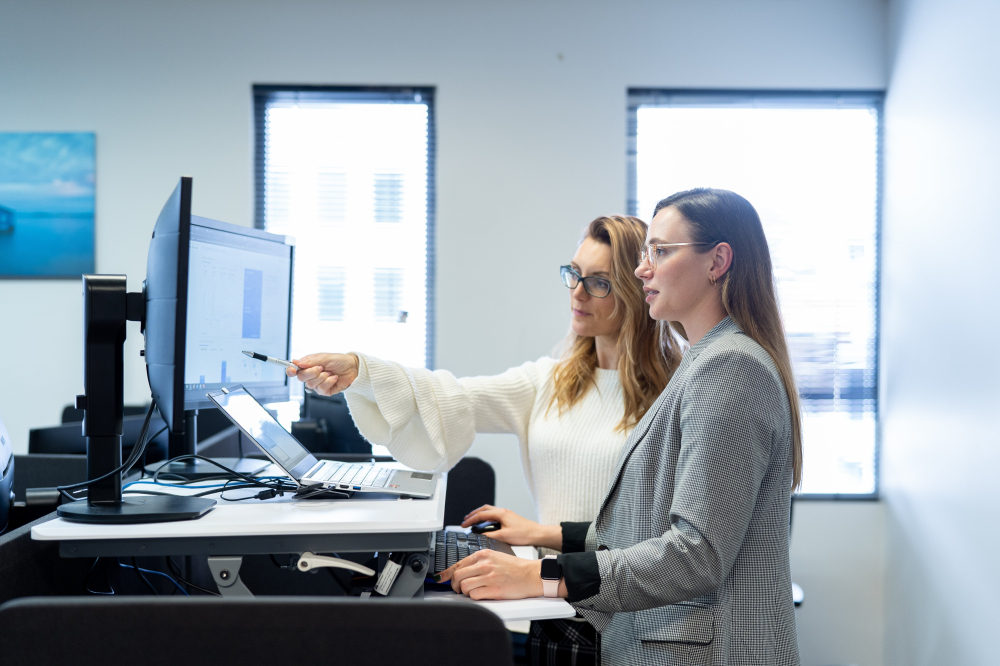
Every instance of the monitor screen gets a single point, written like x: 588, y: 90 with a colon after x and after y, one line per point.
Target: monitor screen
x: 239, y: 298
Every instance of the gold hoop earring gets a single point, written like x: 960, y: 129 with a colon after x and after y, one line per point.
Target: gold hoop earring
x: 711, y: 278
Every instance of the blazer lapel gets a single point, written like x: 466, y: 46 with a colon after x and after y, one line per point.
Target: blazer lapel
x: 633, y: 441
x: 725, y: 326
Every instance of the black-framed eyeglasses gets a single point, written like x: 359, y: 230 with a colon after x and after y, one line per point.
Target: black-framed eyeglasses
x: 597, y: 287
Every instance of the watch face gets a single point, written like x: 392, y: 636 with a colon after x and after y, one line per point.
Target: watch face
x: 551, y: 569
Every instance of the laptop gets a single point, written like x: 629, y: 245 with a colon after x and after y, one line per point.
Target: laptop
x: 287, y: 453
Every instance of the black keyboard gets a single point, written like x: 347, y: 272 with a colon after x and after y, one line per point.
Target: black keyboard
x: 450, y: 547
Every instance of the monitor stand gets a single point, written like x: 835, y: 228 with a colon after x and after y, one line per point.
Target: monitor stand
x: 106, y: 308
x: 193, y: 469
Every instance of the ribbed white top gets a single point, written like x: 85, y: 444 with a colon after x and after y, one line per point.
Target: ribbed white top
x: 428, y: 420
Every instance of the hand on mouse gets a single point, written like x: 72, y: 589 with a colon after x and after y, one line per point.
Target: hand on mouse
x: 516, y: 530
x: 326, y: 374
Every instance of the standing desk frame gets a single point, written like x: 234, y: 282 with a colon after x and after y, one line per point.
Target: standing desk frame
x: 254, y: 527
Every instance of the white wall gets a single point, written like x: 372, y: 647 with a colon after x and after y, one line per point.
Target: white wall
x: 838, y: 557
x: 941, y: 455
x: 531, y: 146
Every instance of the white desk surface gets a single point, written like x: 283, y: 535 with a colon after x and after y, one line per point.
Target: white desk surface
x: 536, y: 608
x: 279, y: 516
x: 515, y: 613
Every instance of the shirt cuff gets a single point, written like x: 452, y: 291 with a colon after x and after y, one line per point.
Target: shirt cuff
x: 362, y: 384
x: 582, y: 575
x: 574, y: 537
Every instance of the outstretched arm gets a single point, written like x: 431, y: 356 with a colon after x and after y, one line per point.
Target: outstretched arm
x: 427, y: 419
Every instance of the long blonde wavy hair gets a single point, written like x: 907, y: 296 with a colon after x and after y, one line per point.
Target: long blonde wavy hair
x: 648, y: 351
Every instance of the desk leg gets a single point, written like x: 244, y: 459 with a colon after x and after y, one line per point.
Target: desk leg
x: 409, y: 581
x: 226, y: 573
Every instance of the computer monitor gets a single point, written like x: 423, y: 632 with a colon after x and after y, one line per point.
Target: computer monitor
x: 213, y: 290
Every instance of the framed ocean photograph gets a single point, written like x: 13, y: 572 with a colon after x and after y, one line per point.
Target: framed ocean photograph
x: 46, y: 205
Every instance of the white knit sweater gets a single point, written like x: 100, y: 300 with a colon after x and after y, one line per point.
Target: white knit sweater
x: 428, y: 420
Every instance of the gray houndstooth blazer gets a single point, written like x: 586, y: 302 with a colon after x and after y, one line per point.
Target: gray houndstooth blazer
x: 692, y: 536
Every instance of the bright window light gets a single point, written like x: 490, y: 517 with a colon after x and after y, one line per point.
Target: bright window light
x: 810, y: 168
x: 348, y: 179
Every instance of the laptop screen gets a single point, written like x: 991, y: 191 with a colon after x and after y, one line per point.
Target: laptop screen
x: 250, y: 415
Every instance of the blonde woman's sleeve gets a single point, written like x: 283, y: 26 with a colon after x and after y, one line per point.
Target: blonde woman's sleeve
x: 429, y: 419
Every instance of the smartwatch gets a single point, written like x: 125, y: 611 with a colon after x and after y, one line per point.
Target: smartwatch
x: 551, y: 575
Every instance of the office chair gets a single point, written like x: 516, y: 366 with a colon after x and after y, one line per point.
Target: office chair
x: 208, y: 631
x: 471, y: 484
x: 69, y: 439
x: 42, y: 471
x: 45, y: 470
x: 210, y: 421
x: 71, y: 414
x: 325, y: 426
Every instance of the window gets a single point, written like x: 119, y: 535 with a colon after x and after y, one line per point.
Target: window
x: 349, y: 173
x: 388, y: 294
x: 331, y: 195
x: 809, y: 163
x: 388, y: 197
x: 330, y: 283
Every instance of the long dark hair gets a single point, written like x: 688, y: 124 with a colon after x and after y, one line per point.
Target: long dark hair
x: 748, y: 294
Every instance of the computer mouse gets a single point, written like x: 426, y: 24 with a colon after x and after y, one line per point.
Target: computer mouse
x: 486, y: 526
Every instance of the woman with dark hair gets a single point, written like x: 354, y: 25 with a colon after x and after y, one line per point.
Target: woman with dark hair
x: 571, y: 415
x: 687, y: 562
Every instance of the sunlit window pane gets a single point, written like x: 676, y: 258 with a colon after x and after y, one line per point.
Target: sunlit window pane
x: 331, y: 283
x: 331, y: 205
x: 810, y: 167
x: 388, y: 197
x: 388, y: 293
x: 337, y: 172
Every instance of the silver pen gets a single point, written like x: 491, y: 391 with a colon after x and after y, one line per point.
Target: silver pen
x: 271, y: 359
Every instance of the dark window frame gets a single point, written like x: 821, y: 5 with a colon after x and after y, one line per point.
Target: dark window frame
x: 874, y: 99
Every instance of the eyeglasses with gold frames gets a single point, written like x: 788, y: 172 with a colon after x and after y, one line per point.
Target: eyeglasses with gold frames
x: 653, y: 251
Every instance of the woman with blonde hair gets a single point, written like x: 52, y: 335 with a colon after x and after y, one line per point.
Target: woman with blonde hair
x: 571, y: 415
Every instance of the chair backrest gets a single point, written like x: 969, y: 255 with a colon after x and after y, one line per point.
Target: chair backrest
x: 45, y: 470
x: 265, y: 630
x: 71, y: 414
x: 471, y: 484
x: 69, y: 439
x: 332, y: 427
x: 65, y: 439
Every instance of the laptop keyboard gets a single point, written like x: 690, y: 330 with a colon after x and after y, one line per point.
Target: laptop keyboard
x: 450, y: 547
x: 339, y: 473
